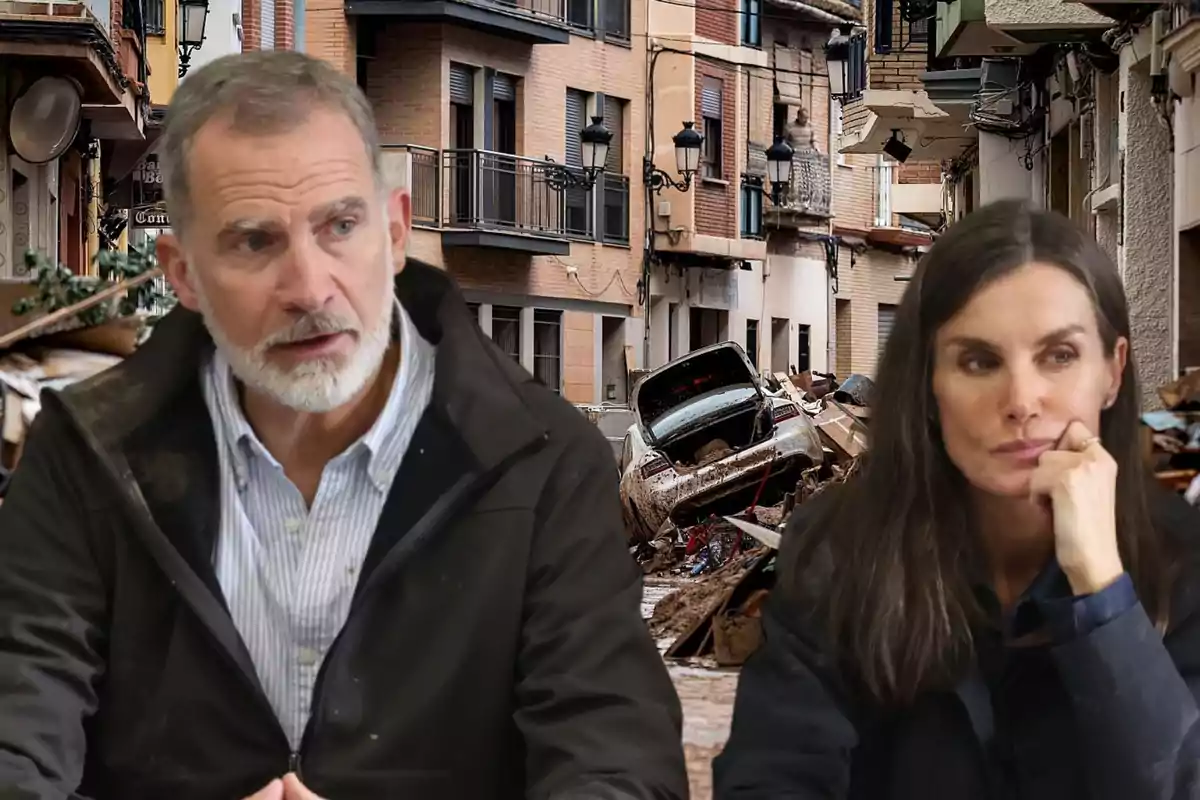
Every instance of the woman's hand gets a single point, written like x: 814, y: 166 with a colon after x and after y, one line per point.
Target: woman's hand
x: 1079, y: 479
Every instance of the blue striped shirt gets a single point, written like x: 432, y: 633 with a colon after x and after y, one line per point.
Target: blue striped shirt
x: 289, y: 571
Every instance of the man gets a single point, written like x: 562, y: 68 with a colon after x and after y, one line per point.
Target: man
x: 317, y: 537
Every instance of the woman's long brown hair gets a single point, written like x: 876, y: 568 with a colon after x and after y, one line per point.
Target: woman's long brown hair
x: 901, y: 603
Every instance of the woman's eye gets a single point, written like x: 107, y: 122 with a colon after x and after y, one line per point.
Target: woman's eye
x: 1062, y: 356
x: 977, y: 363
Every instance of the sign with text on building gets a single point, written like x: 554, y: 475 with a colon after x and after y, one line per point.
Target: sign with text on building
x: 148, y: 210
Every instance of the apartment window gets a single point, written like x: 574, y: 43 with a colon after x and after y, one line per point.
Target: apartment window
x: 887, y: 321
x: 506, y: 330
x: 156, y: 17
x: 616, y: 19
x: 711, y: 102
x: 750, y: 207
x: 750, y: 13
x: 752, y: 341
x: 614, y: 120
x: 884, y: 169
x: 547, y: 348
x: 579, y: 14
x: 615, y: 184
x: 579, y: 221
x: 779, y: 120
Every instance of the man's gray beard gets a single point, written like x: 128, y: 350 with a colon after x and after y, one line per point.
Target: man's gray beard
x: 317, y: 386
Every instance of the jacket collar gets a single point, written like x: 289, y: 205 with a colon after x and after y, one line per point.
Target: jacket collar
x: 477, y: 387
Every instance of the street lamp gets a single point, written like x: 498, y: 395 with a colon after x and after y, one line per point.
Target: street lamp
x: 779, y: 168
x: 193, y: 14
x: 837, y: 62
x: 594, y: 141
x: 688, y: 144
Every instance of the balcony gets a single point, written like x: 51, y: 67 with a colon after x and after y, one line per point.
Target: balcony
x: 77, y: 40
x: 1002, y: 28
x: 528, y: 21
x: 1183, y: 42
x: 809, y: 195
x: 478, y: 198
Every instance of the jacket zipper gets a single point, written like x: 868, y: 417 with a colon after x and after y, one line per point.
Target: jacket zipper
x: 467, y: 487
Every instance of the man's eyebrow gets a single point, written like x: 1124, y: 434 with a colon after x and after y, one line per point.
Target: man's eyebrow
x: 247, y: 225
x: 975, y: 343
x: 338, y: 208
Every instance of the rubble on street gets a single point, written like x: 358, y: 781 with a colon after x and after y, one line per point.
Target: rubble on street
x: 724, y: 561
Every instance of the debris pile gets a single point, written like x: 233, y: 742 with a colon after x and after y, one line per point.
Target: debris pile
x: 1171, y: 437
x: 719, y: 615
x: 839, y: 414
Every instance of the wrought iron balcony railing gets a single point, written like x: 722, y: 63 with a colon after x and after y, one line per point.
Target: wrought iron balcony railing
x: 811, y: 188
x: 484, y: 190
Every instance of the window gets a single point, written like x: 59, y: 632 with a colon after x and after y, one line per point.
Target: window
x: 750, y: 14
x: 779, y: 120
x: 835, y: 131
x: 616, y: 209
x: 883, y: 209
x: 752, y: 341
x: 711, y: 102
x: 473, y: 310
x: 579, y: 14
x: 506, y: 330
x: 887, y: 320
x: 547, y: 348
x: 614, y: 120
x: 579, y: 221
x: 750, y: 207
x: 155, y: 17
x: 616, y: 19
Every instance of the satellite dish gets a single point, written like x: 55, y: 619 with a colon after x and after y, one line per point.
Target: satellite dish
x: 45, y: 118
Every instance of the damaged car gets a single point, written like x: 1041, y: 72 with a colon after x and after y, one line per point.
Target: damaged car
x: 708, y: 440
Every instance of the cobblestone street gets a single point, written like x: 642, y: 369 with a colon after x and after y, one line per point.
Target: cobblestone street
x: 707, y: 697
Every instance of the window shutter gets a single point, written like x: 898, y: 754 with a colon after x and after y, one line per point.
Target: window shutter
x: 504, y: 87
x: 614, y: 120
x: 710, y: 98
x: 887, y: 320
x: 462, y: 85
x: 576, y: 116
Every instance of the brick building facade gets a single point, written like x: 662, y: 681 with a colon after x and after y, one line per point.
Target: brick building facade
x: 478, y: 124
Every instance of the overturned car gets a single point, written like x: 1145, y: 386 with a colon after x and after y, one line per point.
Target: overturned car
x: 708, y: 440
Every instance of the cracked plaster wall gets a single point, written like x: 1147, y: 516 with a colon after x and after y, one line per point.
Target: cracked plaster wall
x: 1147, y: 256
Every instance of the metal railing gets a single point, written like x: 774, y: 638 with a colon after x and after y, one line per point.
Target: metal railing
x: 550, y: 10
x: 811, y: 187
x: 499, y: 191
x: 416, y: 168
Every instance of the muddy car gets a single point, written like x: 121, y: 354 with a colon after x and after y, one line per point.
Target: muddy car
x: 708, y: 440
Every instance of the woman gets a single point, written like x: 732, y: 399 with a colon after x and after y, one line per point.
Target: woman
x: 979, y: 613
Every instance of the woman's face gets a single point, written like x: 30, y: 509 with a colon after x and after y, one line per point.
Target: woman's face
x: 1019, y: 362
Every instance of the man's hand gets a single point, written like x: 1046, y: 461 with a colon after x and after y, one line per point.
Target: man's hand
x: 293, y: 789
x: 272, y: 791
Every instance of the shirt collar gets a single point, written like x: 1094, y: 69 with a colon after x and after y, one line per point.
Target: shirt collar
x: 383, y: 443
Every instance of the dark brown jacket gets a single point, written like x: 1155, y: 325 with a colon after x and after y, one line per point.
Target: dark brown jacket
x: 495, y: 648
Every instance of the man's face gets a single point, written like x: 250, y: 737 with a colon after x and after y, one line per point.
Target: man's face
x: 289, y: 255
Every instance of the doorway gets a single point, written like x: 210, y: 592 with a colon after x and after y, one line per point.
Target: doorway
x: 613, y: 367
x: 779, y: 345
x: 503, y: 144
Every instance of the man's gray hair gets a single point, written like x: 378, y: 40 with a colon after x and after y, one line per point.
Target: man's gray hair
x: 258, y: 94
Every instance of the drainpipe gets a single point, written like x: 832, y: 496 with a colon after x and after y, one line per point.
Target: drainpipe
x: 298, y: 34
